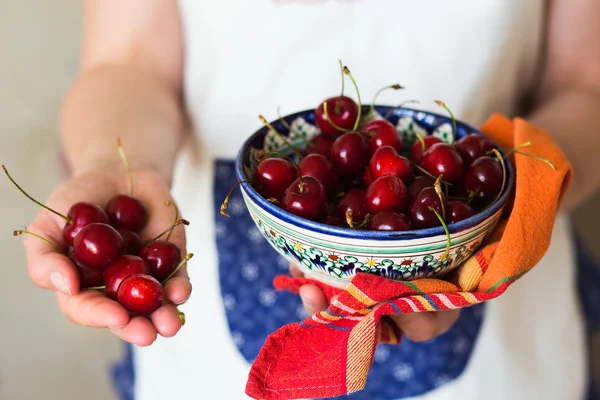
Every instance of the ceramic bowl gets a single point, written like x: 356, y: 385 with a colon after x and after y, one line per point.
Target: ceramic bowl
x: 333, y: 255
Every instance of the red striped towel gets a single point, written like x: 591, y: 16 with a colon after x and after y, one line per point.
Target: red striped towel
x: 330, y: 353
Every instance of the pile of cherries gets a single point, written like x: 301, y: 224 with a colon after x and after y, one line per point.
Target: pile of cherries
x: 363, y: 178
x: 105, y: 247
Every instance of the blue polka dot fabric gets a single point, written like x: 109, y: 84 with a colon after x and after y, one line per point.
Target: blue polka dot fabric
x: 247, y: 266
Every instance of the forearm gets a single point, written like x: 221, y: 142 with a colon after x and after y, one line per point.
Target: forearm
x: 110, y: 102
x: 571, y: 117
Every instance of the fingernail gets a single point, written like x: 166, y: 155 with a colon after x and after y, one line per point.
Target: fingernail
x: 60, y: 283
x: 308, y: 305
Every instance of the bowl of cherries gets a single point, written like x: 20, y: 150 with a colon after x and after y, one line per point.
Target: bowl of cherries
x: 103, y: 243
x: 393, y: 191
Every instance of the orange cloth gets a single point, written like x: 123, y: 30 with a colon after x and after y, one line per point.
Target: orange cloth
x: 518, y: 243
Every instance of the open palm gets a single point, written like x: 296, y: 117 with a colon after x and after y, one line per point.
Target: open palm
x: 51, y: 270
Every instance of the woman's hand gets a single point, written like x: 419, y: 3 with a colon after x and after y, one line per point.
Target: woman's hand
x: 54, y: 271
x: 417, y: 327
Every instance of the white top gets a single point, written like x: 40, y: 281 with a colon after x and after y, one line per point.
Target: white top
x: 249, y: 57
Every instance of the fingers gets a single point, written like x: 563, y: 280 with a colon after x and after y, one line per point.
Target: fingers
x: 178, y: 289
x: 142, y: 331
x: 417, y: 327
x: 92, y: 308
x: 422, y: 327
x: 295, y: 272
x: 166, y: 320
x: 313, y: 299
x: 47, y: 268
x: 139, y: 331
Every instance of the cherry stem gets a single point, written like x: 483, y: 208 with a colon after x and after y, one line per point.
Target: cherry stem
x: 95, y: 288
x: 526, y: 144
x: 449, y: 244
x: 181, y: 264
x: 262, y: 154
x: 170, y: 203
x: 285, y: 140
x: 438, y: 191
x: 428, y: 174
x: 181, y: 317
x: 330, y: 121
x: 226, y: 201
x: 126, y: 164
x: 509, y: 152
x: 501, y: 159
x: 445, y: 107
x: 283, y: 121
x: 472, y: 194
x: 395, y: 86
x: 422, y: 140
x: 337, y: 103
x: 400, y: 106
x: 347, y: 72
x: 350, y: 221
x: 24, y: 231
x: 169, y: 229
x: 550, y: 163
x: 273, y: 200
x: 69, y: 220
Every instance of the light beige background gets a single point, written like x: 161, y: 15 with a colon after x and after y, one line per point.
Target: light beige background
x: 42, y: 356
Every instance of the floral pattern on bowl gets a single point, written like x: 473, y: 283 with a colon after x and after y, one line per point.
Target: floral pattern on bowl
x: 334, y: 255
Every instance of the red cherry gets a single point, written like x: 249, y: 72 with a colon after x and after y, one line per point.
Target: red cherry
x: 162, y: 258
x: 418, y: 184
x: 330, y: 208
x: 127, y: 212
x: 131, y: 241
x: 316, y: 165
x: 387, y: 161
x: 472, y: 147
x: 140, y: 293
x: 81, y: 215
x: 273, y: 176
x: 306, y: 200
x: 484, y: 177
x: 97, y: 245
x: 353, y: 201
x: 417, y: 150
x: 350, y: 153
x: 387, y: 194
x: 320, y: 144
x: 121, y: 268
x: 384, y: 134
x: 88, y: 277
x: 342, y: 111
x: 420, y: 214
x: 389, y: 221
x: 352, y: 181
x: 457, y: 190
x: 441, y: 158
x: 458, y: 211
x: 367, y: 178
x: 334, y: 220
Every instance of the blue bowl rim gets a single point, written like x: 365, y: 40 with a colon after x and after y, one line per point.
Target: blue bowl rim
x: 349, y: 233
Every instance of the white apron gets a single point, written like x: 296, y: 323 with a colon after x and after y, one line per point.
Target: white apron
x: 248, y: 57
